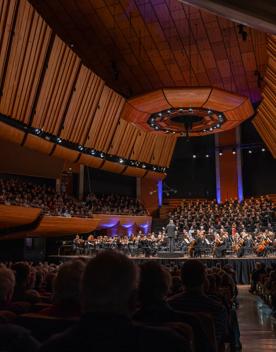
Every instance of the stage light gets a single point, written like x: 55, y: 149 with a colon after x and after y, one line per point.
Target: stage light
x: 194, y: 156
x: 152, y: 120
x: 144, y: 166
x: 37, y: 131
x: 249, y: 151
x: 59, y: 140
x: 233, y: 151
x: 156, y: 127
x: 93, y: 152
x: 71, y: 45
x: 102, y: 155
x: 180, y: 110
x: 218, y: 125
x: 190, y: 110
x: 210, y: 112
x: 204, y: 130
x: 220, y: 153
x: 263, y: 149
x: 153, y: 168
x: 169, y: 111
x: 207, y: 155
x: 121, y: 161
x: 80, y: 147
x: 160, y: 114
x: 211, y: 129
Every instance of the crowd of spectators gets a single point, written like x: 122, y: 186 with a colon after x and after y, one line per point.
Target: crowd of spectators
x: 15, y: 191
x: 251, y: 215
x: 263, y: 283
x: 111, y: 303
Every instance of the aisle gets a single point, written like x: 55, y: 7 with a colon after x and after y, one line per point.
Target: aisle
x: 257, y: 332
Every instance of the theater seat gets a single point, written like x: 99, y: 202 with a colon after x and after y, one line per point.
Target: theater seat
x: 42, y: 327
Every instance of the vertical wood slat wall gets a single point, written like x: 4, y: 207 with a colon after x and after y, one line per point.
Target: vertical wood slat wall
x: 265, y: 120
x: 61, y: 96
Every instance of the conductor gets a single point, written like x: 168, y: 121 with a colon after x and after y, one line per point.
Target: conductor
x: 171, y: 230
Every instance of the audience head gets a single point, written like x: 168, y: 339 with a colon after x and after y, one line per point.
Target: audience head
x: 109, y: 281
x: 155, y: 282
x: 193, y: 274
x: 67, y: 283
x: 22, y: 274
x: 7, y: 283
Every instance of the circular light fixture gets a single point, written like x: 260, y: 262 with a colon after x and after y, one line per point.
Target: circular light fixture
x: 263, y: 149
x: 250, y: 151
x: 194, y: 156
x: 220, y: 153
x: 207, y: 155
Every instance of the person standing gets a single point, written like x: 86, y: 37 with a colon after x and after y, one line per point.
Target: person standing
x: 170, y: 229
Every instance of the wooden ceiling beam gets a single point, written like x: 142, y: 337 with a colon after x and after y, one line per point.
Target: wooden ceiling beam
x: 256, y: 14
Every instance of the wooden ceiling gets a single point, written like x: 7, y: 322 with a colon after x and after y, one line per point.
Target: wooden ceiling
x: 138, y: 46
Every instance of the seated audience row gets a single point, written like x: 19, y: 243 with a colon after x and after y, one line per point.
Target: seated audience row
x: 109, y: 303
x: 14, y: 191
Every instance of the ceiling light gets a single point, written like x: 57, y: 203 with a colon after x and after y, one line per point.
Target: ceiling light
x: 93, y: 152
x: 144, y: 166
x: 263, y: 149
x: 249, y: 151
x: 233, y: 151
x: 207, y: 155
x: 59, y: 140
x: 121, y: 161
x: 190, y: 110
x: 218, y: 125
x: 160, y: 114
x: 220, y: 153
x: 194, y: 156
x: 102, y: 155
x: 80, y: 147
x: 210, y: 129
x: 210, y: 112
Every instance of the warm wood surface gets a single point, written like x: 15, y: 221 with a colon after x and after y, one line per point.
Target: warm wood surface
x: 56, y: 226
x: 265, y: 120
x: 12, y: 216
x: 152, y: 44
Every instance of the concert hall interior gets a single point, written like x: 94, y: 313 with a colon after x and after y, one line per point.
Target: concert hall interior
x: 137, y: 175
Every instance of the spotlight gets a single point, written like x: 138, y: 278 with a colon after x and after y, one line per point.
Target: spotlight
x: 152, y: 120
x: 210, y: 112
x: 263, y: 149
x: 156, y: 127
x: 37, y: 131
x: 102, y: 155
x: 160, y: 114
x: 132, y: 162
x: 211, y: 129
x: 190, y: 110
x: 204, y: 130
x: 233, y: 151
x: 220, y: 118
x: 173, y: 132
x: 93, y: 152
x: 59, y: 140
x: 218, y: 125
x: 169, y: 111
x: 249, y: 151
x: 180, y: 110
x: 80, y: 147
x: 220, y: 153
x: 153, y: 168
x: 144, y: 166
x: 121, y: 161
x: 207, y: 155
x: 194, y: 156
x: 71, y: 45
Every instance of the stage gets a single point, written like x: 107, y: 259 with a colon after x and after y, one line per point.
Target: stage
x: 243, y: 266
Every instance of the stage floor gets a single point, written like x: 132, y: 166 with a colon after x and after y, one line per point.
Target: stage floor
x: 242, y: 266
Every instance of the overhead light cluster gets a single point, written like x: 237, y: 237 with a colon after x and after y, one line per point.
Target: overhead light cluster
x: 81, y: 148
x: 160, y: 121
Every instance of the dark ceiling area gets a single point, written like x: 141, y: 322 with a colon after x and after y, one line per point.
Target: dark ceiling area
x: 137, y: 46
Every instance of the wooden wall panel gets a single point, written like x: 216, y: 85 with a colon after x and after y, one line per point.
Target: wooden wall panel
x: 113, y: 167
x: 38, y: 144
x: 26, y: 60
x: 90, y: 161
x: 11, y: 134
x: 133, y: 171
x: 82, y: 106
x: 65, y: 153
x: 152, y: 102
x: 57, y: 87
x: 265, y: 120
x: 12, y: 216
x: 105, y: 120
